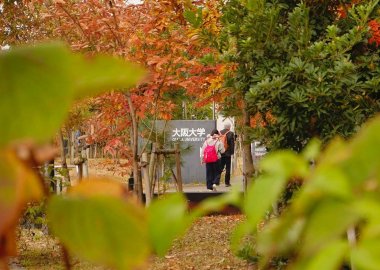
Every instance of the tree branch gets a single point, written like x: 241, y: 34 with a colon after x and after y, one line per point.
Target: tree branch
x: 77, y: 23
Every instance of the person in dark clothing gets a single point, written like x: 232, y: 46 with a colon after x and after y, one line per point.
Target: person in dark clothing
x: 226, y: 156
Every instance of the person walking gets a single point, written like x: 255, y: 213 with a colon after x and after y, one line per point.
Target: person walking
x: 227, y: 137
x: 211, y: 153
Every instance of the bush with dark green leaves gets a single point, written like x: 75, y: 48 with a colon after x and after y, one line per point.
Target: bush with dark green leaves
x: 305, y: 70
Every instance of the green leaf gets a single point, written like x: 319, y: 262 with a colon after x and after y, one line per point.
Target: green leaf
x: 285, y: 164
x: 261, y: 196
x: 238, y: 234
x: 193, y: 17
x: 317, y: 234
x: 329, y: 258
x: 100, y: 73
x: 369, y: 209
x: 364, y: 158
x: 367, y: 255
x: 255, y: 5
x: 101, y: 229
x: 35, y: 91
x: 329, y: 180
x: 335, y: 152
x: 39, y: 83
x: 167, y: 220
x: 280, y: 235
x: 312, y: 149
x: 217, y: 204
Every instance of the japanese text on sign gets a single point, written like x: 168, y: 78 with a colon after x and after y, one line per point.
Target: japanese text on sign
x: 188, y: 134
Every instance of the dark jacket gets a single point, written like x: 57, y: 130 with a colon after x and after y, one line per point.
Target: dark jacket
x: 230, y: 141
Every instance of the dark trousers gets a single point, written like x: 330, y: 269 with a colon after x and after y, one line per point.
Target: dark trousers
x: 212, y: 172
x: 225, y: 161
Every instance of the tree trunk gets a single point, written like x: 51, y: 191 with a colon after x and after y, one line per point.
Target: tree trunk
x: 248, y: 168
x: 66, y: 175
x: 154, y: 173
x: 69, y: 145
x: 84, y: 154
x: 134, y: 144
x: 95, y: 154
x: 152, y: 165
x: 145, y: 175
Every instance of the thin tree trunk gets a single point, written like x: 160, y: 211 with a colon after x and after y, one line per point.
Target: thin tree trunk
x: 145, y: 175
x: 66, y: 258
x: 72, y: 148
x: 69, y: 145
x: 95, y: 150
x: 85, y: 153
x: 152, y: 164
x: 154, y: 175
x: 248, y: 168
x: 134, y: 144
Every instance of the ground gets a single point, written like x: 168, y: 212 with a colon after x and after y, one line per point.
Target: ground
x: 111, y: 169
x: 204, y: 246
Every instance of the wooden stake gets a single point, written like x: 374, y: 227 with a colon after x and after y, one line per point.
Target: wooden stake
x: 72, y: 146
x: 178, y: 166
x: 152, y: 164
x: 175, y: 179
x: 66, y: 174
x: 154, y: 175
x: 145, y: 175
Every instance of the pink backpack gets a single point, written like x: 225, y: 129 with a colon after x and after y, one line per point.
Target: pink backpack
x: 209, y: 154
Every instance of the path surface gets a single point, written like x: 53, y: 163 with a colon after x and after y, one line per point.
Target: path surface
x: 236, y: 181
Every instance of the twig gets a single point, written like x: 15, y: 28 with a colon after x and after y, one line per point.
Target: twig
x: 76, y: 22
x: 66, y: 258
x: 156, y: 106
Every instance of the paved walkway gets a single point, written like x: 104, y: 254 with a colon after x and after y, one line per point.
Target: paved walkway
x: 236, y: 181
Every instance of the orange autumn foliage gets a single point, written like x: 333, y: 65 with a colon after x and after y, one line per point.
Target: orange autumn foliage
x: 375, y: 32
x: 154, y: 34
x: 258, y: 121
x: 374, y: 25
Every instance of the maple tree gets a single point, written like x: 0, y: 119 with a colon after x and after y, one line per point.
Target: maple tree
x: 20, y: 23
x: 165, y: 45
x: 82, y: 218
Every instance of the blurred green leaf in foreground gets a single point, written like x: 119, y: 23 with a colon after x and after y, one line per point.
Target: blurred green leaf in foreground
x: 39, y: 83
x: 336, y: 211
